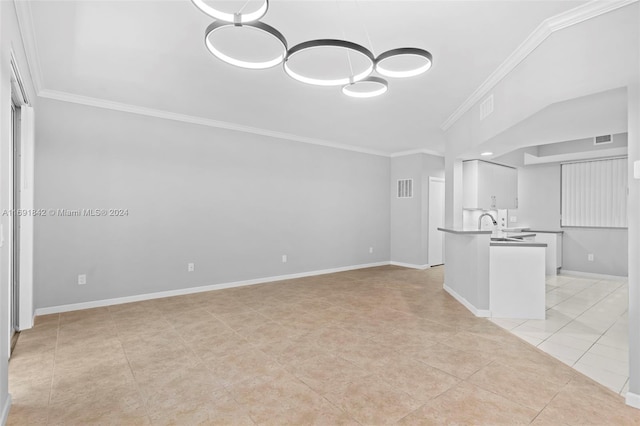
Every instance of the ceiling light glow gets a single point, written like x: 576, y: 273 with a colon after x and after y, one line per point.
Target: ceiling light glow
x: 406, y: 52
x: 347, y: 46
x: 238, y: 18
x: 256, y: 26
x: 396, y: 63
x: 486, y: 154
x: 369, y: 87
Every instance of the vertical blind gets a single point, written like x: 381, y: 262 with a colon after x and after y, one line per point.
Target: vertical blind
x: 594, y: 193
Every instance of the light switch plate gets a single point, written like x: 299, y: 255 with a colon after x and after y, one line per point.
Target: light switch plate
x: 636, y: 169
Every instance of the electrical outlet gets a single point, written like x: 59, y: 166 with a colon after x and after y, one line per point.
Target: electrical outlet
x: 284, y: 258
x: 370, y: 249
x: 82, y: 279
x: 191, y: 267
x: 590, y: 257
x: 513, y: 219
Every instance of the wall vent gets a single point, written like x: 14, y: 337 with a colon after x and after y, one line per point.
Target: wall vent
x: 405, y: 188
x: 601, y: 140
x: 486, y: 107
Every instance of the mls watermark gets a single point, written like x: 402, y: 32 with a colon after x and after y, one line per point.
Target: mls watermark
x: 66, y: 212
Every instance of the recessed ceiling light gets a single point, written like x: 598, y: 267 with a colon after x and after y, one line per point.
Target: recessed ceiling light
x: 486, y: 154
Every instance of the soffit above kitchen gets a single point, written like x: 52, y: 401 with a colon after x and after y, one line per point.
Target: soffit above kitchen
x: 151, y: 54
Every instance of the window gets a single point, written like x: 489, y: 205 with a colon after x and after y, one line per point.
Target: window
x: 594, y: 193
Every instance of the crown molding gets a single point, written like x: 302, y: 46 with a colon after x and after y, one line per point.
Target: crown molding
x: 416, y: 151
x: 27, y: 32
x: 149, y: 112
x: 545, y: 29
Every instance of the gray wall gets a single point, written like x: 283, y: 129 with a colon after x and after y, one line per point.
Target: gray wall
x: 410, y: 216
x: 232, y: 203
x: 539, y: 207
x: 609, y: 248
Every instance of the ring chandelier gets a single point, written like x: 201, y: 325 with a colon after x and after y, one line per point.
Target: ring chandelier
x: 357, y: 83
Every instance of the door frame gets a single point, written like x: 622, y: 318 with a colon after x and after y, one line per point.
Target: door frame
x: 20, y: 98
x: 440, y: 180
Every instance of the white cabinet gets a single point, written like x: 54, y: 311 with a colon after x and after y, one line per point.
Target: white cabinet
x: 517, y: 282
x: 553, y: 258
x: 489, y: 186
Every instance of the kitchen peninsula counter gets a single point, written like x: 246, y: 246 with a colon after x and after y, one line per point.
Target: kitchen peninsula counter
x: 495, y: 278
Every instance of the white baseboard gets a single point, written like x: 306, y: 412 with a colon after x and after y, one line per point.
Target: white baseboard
x: 191, y: 290
x: 633, y: 400
x: 591, y: 275
x: 410, y: 265
x: 5, y: 410
x: 482, y: 313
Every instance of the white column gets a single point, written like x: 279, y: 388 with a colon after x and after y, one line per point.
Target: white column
x: 633, y: 96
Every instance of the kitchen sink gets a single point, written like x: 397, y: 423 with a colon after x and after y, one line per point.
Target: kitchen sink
x: 517, y: 240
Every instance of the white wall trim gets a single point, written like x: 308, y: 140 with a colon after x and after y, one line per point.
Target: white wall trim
x: 482, y: 313
x: 25, y: 23
x: 416, y: 151
x: 632, y: 400
x: 25, y: 309
x: 545, y: 29
x: 5, y: 410
x: 191, y: 290
x: 410, y: 265
x: 591, y: 275
x: 167, y: 115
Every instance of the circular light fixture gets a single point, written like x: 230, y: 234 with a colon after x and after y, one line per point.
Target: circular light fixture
x: 419, y: 61
x: 274, y: 36
x: 366, y: 88
x: 349, y: 47
x: 237, y: 18
x: 486, y: 154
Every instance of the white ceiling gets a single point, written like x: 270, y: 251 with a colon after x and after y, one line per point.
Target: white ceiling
x: 151, y: 54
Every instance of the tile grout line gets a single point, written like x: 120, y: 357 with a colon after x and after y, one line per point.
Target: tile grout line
x: 53, y: 367
x: 574, y: 319
x: 597, y: 340
x: 582, y: 313
x: 133, y: 375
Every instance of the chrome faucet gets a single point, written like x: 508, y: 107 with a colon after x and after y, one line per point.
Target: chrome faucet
x: 480, y: 220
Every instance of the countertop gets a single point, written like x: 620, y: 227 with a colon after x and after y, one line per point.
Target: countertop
x: 465, y: 231
x: 541, y: 231
x: 512, y: 234
x: 516, y: 244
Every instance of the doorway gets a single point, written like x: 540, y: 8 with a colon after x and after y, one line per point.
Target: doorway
x: 15, y: 224
x: 436, y: 220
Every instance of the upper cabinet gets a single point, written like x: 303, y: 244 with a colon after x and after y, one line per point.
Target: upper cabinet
x: 489, y: 186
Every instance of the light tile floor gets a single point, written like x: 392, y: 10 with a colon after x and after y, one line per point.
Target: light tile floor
x: 375, y: 346
x: 586, y: 328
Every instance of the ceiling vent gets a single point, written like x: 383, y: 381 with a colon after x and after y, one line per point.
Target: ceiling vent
x: 486, y: 107
x: 601, y: 140
x: 405, y: 188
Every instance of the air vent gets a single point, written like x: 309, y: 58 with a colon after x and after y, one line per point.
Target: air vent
x: 405, y: 188
x: 486, y: 107
x: 601, y: 140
